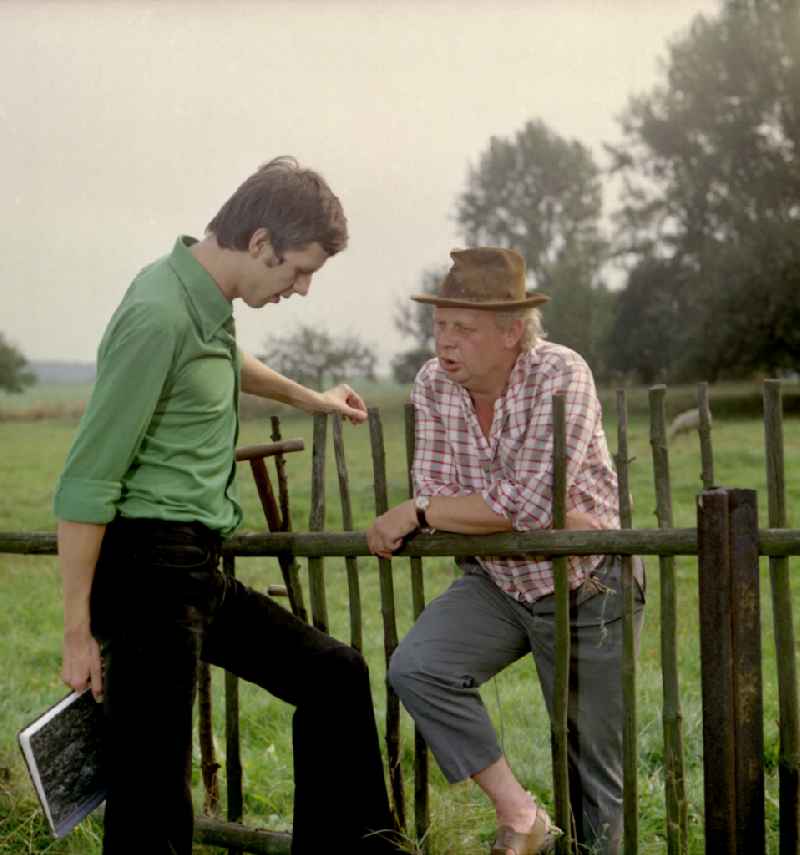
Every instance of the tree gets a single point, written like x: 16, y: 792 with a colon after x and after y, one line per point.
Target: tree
x: 711, y: 170
x: 415, y: 320
x: 313, y: 357
x: 14, y: 373
x: 541, y: 194
x: 646, y: 335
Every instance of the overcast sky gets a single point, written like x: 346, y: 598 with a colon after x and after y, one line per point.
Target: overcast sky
x: 124, y: 124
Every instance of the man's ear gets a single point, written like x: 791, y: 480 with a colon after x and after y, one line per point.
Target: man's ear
x: 260, y: 246
x: 513, y: 333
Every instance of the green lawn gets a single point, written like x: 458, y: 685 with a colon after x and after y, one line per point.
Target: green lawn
x: 462, y: 821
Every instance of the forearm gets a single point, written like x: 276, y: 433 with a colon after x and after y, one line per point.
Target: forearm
x: 78, y: 551
x: 258, y: 379
x: 465, y: 515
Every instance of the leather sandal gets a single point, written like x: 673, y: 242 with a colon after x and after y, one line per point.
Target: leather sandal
x: 539, y: 840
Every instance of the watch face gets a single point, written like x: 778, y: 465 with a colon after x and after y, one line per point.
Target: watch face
x: 422, y: 502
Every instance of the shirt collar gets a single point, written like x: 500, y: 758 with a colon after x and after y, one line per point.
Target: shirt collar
x: 526, y: 362
x: 211, y: 309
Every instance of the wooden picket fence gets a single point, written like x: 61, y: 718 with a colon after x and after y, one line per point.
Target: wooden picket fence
x: 728, y: 543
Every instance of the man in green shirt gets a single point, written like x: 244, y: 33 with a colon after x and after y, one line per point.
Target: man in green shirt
x: 145, y: 498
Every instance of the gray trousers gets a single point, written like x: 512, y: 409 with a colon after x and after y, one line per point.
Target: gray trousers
x: 473, y: 631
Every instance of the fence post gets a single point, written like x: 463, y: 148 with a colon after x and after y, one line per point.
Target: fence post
x: 565, y: 845
x: 630, y: 754
x: 730, y: 650
x: 316, y: 522
x: 677, y: 820
x: 422, y: 811
x: 390, y: 640
x: 233, y: 750
x: 783, y: 624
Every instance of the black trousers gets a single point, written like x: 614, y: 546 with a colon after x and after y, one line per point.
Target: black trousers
x: 159, y: 603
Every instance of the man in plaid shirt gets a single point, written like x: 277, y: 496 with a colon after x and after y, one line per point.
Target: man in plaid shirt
x: 483, y: 464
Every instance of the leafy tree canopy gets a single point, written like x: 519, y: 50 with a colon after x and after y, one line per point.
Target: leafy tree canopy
x: 711, y: 170
x: 15, y: 375
x: 541, y: 194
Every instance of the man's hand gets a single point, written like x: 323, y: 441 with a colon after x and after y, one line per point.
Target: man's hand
x: 343, y: 400
x: 387, y: 532
x: 581, y: 521
x: 81, y: 664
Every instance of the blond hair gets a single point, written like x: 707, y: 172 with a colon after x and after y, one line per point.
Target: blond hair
x: 532, y: 325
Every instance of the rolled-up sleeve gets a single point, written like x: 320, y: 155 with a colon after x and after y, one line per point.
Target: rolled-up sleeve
x: 133, y: 363
x: 526, y: 497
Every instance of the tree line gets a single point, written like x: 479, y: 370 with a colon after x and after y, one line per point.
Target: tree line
x: 698, y: 274
x: 706, y: 235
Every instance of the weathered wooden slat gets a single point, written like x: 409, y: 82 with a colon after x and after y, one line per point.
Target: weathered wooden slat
x: 294, y: 585
x: 566, y: 843
x: 233, y: 751
x: 208, y: 761
x: 388, y: 613
x: 272, y: 516
x: 350, y: 561
x: 422, y: 817
x: 239, y: 838
x: 748, y: 704
x: 639, y: 541
x: 717, y: 663
x: 704, y: 430
x: 677, y: 818
x: 283, y: 481
x: 783, y: 625
x: 630, y: 746
x: 269, y: 449
x: 316, y: 522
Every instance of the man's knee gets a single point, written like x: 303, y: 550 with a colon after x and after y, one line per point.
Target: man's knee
x: 344, y: 666
x: 403, y: 670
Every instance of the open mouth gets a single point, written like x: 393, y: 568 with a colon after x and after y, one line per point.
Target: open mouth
x: 448, y: 364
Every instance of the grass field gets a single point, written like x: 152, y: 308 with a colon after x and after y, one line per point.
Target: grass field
x: 33, y: 453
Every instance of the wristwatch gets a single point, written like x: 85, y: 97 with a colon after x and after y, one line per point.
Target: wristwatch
x: 421, y: 505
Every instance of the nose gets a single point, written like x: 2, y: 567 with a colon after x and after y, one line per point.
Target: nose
x: 302, y: 284
x: 443, y: 340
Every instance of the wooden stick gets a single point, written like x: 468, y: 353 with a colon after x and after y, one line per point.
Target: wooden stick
x: 274, y: 523
x: 783, y: 624
x: 283, y: 481
x: 639, y: 541
x: 389, y: 621
x: 566, y: 843
x: 208, y: 761
x: 630, y: 755
x: 351, y: 563
x: 316, y: 522
x: 704, y: 429
x: 677, y: 819
x: 233, y: 751
x: 238, y: 838
x: 269, y: 449
x: 294, y: 585
x: 422, y: 816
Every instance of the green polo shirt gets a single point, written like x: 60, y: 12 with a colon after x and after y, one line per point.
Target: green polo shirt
x: 158, y: 436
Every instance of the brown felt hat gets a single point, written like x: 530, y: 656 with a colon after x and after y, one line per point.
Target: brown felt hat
x: 486, y: 277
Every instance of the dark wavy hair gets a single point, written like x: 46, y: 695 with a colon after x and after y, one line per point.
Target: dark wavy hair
x: 295, y: 205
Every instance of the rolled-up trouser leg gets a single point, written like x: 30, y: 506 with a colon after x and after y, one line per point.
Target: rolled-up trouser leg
x: 463, y: 638
x: 595, y: 710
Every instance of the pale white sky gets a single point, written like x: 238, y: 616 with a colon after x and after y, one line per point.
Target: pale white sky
x: 123, y: 124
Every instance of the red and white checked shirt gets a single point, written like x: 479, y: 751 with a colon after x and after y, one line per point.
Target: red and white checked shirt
x: 513, y: 468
